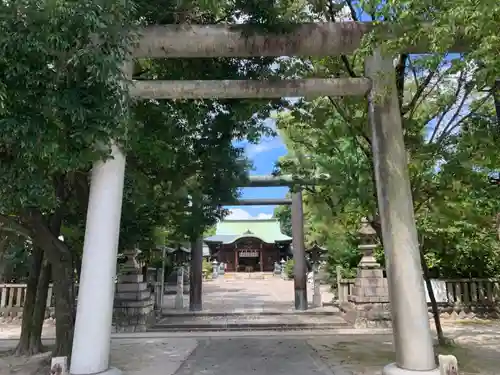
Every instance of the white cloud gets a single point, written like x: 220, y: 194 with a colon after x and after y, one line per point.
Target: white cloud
x: 239, y: 214
x: 266, y: 144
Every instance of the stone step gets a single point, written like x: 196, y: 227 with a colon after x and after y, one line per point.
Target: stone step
x: 247, y: 326
x: 250, y: 322
x: 330, y: 311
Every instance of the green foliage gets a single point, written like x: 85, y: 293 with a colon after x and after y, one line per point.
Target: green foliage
x: 448, y: 128
x: 207, y: 269
x: 14, y: 260
x: 210, y: 231
x: 60, y: 93
x: 284, y: 215
x: 290, y: 263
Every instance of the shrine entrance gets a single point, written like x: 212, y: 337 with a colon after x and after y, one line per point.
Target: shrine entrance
x: 251, y: 245
x: 249, y: 260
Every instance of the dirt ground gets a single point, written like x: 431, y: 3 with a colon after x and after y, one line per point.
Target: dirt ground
x: 476, y: 345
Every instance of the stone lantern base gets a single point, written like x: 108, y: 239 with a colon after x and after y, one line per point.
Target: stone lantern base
x: 134, y: 303
x: 368, y: 304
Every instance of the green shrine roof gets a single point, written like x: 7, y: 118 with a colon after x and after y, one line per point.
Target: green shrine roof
x: 229, y: 231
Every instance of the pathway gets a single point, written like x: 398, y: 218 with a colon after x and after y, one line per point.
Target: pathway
x: 250, y: 356
x: 343, y: 352
x: 231, y: 294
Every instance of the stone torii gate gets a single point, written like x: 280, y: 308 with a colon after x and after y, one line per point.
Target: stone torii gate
x: 300, y: 268
x: 299, y: 254
x: 412, y: 335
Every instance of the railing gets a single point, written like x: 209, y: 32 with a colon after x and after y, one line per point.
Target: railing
x: 344, y: 288
x: 469, y: 292
x: 461, y: 292
x: 12, y: 297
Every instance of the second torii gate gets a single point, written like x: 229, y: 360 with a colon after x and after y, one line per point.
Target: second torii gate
x: 300, y: 268
x: 299, y: 254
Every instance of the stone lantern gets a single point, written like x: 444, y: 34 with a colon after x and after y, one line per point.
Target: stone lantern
x: 133, y: 305
x: 368, y: 302
x: 316, y: 253
x: 367, y: 245
x: 215, y: 269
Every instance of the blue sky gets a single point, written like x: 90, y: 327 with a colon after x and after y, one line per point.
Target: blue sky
x: 264, y: 156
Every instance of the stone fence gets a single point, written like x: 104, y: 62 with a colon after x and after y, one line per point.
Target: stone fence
x: 472, y: 293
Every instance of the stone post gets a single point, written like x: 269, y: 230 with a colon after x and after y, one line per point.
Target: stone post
x: 215, y: 269
x: 179, y: 296
x: 276, y: 269
x: 92, y: 337
x: 157, y: 296
x: 412, y: 334
x: 162, y: 277
x: 317, y: 302
x: 134, y: 304
x: 196, y: 275
x: 222, y: 269
x: 316, y: 254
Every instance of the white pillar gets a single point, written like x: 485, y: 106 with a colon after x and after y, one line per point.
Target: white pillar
x: 411, y: 330
x: 91, y: 342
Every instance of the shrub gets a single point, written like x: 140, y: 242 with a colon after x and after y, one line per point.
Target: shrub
x: 289, y: 268
x: 206, y: 269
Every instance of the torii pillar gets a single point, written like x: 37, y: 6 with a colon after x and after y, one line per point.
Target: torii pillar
x: 410, y: 321
x: 92, y: 338
x: 299, y: 253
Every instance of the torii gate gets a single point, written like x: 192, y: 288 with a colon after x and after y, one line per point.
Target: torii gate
x: 300, y: 269
x: 412, y: 335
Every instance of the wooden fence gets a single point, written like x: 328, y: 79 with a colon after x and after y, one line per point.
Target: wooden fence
x: 12, y: 297
x: 464, y: 292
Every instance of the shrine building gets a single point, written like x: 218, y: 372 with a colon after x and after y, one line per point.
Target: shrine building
x: 249, y: 245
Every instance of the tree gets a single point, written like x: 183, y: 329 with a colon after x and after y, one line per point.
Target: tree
x: 62, y: 101
x: 439, y: 98
x: 60, y: 96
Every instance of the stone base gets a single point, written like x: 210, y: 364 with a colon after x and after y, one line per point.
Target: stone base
x: 138, y: 322
x: 317, y: 302
x: 393, y: 369
x: 110, y: 371
x: 368, y: 315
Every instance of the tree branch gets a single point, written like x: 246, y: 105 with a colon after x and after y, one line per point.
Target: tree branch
x: 460, y: 83
x: 400, y: 77
x: 10, y: 224
x: 344, y: 58
x: 420, y: 90
x: 352, y: 10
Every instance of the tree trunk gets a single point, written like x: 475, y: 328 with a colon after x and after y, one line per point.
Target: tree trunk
x: 78, y: 266
x: 4, y: 240
x: 40, y: 306
x: 432, y: 297
x: 23, y: 347
x: 60, y: 259
x: 65, y: 307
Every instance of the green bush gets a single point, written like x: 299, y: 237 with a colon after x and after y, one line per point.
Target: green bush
x: 289, y: 268
x: 206, y: 269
